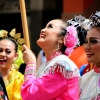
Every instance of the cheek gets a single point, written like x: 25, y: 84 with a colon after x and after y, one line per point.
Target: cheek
x: 96, y: 48
x: 11, y: 57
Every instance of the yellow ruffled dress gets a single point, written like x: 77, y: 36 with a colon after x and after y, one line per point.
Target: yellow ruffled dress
x: 13, y: 85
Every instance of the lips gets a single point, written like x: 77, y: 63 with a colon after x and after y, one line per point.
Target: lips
x: 89, y: 54
x: 2, y: 61
x: 42, y: 35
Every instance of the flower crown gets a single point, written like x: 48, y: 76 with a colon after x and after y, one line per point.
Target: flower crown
x: 12, y: 34
x: 70, y: 40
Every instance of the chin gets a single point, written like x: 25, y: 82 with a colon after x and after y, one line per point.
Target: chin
x: 40, y: 43
x: 90, y: 60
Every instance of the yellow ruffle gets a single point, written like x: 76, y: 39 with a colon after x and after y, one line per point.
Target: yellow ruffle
x: 13, y: 85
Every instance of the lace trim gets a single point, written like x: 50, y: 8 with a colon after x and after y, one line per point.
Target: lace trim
x: 59, y: 68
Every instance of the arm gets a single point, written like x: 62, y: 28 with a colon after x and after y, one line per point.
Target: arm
x: 45, y: 88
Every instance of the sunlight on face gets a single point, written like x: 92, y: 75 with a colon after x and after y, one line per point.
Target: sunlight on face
x: 49, y: 35
x: 7, y: 53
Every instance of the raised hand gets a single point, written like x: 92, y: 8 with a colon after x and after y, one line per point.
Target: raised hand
x: 28, y: 55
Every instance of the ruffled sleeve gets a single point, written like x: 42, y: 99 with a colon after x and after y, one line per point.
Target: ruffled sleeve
x: 45, y: 88
x: 14, y: 87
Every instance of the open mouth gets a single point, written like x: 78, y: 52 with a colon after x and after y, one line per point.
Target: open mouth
x: 42, y: 35
x: 2, y: 61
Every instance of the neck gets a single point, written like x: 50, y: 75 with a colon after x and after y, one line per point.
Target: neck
x: 4, y: 72
x: 96, y: 69
x: 97, y: 65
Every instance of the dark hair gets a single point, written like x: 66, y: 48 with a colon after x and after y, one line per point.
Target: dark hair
x: 12, y: 40
x: 63, y: 33
x: 81, y: 35
x: 77, y: 21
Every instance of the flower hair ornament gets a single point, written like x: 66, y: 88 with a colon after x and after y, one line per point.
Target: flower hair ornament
x: 12, y: 34
x: 20, y: 41
x: 80, y: 23
x: 70, y: 40
x: 95, y: 18
x: 76, y: 21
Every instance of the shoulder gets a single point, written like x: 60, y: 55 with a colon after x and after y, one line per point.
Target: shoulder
x: 66, y: 62
x: 62, y: 64
x: 16, y: 76
x: 19, y: 75
x: 86, y: 76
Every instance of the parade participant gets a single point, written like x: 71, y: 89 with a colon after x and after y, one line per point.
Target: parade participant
x: 13, y: 80
x: 90, y: 81
x: 58, y: 77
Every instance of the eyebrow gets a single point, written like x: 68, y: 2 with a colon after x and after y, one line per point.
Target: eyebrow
x: 93, y: 38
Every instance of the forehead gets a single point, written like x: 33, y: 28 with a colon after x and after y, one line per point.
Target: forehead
x: 56, y: 23
x: 94, y: 32
x: 6, y: 43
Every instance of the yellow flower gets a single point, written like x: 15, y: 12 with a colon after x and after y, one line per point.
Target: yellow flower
x: 17, y: 35
x: 21, y: 41
x: 12, y: 33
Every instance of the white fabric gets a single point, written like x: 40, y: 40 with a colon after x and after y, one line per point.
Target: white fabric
x: 61, y: 60
x: 90, y: 86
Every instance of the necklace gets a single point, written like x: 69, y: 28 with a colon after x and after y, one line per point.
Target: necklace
x: 56, y: 53
x: 96, y: 69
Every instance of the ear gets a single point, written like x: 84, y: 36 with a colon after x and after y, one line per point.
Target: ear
x: 61, y: 39
x: 16, y: 56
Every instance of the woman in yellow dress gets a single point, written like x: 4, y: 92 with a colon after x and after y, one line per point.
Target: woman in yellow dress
x: 8, y: 54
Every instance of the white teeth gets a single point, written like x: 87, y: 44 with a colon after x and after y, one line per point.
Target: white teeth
x: 42, y: 35
x: 2, y: 60
x: 89, y: 53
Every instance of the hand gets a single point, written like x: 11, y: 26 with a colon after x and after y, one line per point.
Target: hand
x: 28, y: 55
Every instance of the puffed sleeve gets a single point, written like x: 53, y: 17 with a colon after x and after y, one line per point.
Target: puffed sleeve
x: 17, y: 88
x: 45, y: 88
x: 14, y: 88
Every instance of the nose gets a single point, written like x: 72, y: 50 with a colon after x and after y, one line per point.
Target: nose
x: 43, y: 30
x: 3, y: 53
x: 87, y: 46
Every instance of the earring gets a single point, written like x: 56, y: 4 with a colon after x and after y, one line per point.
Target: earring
x: 58, y: 46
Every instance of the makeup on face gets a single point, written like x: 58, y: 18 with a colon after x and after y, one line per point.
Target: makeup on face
x: 92, y: 41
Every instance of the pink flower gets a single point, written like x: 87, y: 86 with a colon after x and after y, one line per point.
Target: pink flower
x: 71, y: 39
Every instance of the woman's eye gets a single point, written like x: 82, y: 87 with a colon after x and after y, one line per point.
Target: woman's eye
x: 49, y: 26
x: 1, y: 50
x: 8, y: 51
x: 93, y: 41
